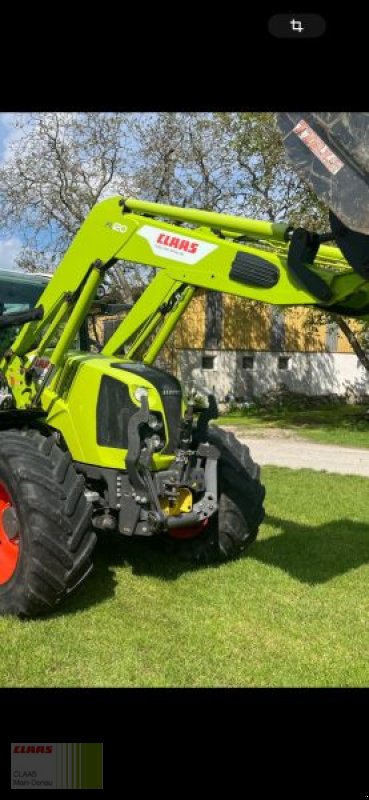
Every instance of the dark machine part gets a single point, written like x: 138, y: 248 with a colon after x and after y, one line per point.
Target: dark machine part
x: 206, y: 414
x: 135, y: 424
x: 112, y: 496
x: 330, y: 150
x: 186, y: 428
x: 301, y: 252
x: 253, y: 271
x: 186, y: 472
x: 353, y: 245
x: 13, y: 418
x: 21, y: 317
x: 189, y: 475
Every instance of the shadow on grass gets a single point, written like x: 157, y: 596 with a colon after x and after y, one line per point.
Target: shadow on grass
x: 314, y: 554
x: 143, y: 556
x: 310, y: 554
x: 98, y: 587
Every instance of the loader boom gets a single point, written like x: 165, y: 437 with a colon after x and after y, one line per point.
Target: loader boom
x: 190, y: 249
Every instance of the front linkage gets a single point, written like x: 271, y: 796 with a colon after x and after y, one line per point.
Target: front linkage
x: 145, y: 502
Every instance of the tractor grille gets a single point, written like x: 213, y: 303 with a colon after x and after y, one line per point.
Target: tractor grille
x: 67, y: 378
x: 115, y: 407
x: 114, y: 410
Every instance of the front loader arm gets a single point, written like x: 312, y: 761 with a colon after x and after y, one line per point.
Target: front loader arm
x: 98, y: 240
x: 213, y: 257
x: 214, y: 262
x: 190, y: 249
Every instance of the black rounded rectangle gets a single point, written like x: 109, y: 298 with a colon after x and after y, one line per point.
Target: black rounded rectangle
x: 254, y: 271
x: 297, y: 26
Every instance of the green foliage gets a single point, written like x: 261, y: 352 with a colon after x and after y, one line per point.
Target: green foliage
x: 329, y: 423
x: 265, y: 182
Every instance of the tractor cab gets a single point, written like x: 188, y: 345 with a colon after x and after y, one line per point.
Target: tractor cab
x: 19, y: 292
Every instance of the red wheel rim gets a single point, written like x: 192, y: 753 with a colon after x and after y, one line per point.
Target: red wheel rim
x: 9, y: 548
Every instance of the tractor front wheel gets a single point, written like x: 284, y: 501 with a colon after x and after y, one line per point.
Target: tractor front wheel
x: 46, y: 538
x: 241, y: 511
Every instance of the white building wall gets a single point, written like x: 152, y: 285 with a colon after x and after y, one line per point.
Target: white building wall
x: 308, y: 373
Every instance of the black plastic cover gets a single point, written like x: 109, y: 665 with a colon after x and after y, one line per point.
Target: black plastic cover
x: 114, y: 410
x: 253, y: 271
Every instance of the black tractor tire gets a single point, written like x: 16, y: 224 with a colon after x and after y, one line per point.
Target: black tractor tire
x: 52, y: 528
x: 240, y: 498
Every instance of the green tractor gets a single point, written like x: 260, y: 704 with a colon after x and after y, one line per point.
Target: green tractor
x: 104, y: 441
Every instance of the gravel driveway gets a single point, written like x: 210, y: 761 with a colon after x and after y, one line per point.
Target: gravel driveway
x: 283, y: 448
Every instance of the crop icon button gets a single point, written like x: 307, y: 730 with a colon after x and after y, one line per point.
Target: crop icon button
x: 297, y: 26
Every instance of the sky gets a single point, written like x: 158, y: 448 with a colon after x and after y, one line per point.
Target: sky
x: 5, y: 132
x: 9, y: 245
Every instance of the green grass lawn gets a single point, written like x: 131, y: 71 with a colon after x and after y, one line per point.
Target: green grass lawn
x: 294, y: 612
x: 344, y: 425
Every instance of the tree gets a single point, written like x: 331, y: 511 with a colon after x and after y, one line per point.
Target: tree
x: 263, y: 181
x: 60, y: 164
x: 356, y: 335
x: 232, y: 162
x: 279, y: 194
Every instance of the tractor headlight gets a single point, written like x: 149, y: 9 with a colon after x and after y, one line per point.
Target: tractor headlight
x: 140, y: 392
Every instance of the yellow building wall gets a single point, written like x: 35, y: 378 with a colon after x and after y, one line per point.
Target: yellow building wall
x: 300, y: 336
x: 190, y: 331
x: 343, y: 345
x: 246, y: 325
